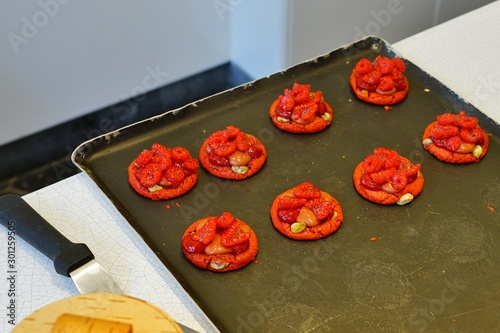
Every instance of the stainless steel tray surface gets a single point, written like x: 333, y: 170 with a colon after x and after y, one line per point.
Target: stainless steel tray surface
x: 434, y: 264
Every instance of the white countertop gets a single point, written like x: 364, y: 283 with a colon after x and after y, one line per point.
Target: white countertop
x: 462, y: 53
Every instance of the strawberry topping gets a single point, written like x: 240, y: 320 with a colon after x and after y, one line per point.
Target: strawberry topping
x: 304, y: 196
x: 222, y: 232
x: 383, y: 75
x: 454, y: 131
x: 164, y: 167
x: 386, y: 170
x: 300, y: 105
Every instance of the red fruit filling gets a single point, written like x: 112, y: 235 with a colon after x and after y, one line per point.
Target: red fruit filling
x: 300, y: 105
x: 383, y: 75
x: 232, y: 147
x: 457, y: 133
x: 217, y: 235
x: 385, y: 170
x: 163, y: 167
x: 305, y: 203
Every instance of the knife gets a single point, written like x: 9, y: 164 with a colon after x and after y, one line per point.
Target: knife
x: 70, y: 259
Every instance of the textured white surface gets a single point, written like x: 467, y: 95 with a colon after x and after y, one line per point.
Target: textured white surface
x: 462, y: 53
x: 83, y: 214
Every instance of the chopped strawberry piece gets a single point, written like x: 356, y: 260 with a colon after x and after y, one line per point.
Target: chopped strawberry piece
x: 286, y: 202
x: 381, y: 151
x: 368, y: 182
x: 151, y: 175
x: 317, y: 97
x: 301, y: 92
x: 233, y: 236
x: 453, y: 143
x: 443, y: 132
x: 190, y: 165
x: 447, y: 119
x: 244, y: 142
x: 321, y: 109
x: 287, y: 114
x: 398, y: 181
x: 386, y: 83
x: 144, y: 157
x: 180, y: 154
x: 411, y: 170
x: 371, y: 164
x: 218, y: 160
x: 286, y: 103
x: 383, y: 75
x: 192, y: 246
x: 288, y: 215
x: 382, y: 176
x: 372, y: 79
x: 390, y: 158
x: 165, y: 162
x: 441, y: 143
x: 364, y: 66
x: 306, y: 190
x: 384, y: 65
x: 474, y: 136
x: 304, y: 113
x: 224, y: 220
x: 255, y: 151
x: 158, y: 149
x: 224, y: 148
x: 467, y: 122
x: 398, y: 64
x: 175, y: 175
x: 240, y: 248
x: 398, y: 79
x: 206, y: 233
x: 231, y: 132
x: 320, y: 207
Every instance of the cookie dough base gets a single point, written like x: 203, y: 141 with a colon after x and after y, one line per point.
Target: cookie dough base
x: 235, y: 261
x: 382, y: 197
x: 320, y: 231
x: 165, y: 193
x: 317, y: 125
x: 225, y: 171
x: 376, y: 98
x: 445, y: 155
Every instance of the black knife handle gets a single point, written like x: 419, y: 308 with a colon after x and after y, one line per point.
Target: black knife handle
x: 19, y: 217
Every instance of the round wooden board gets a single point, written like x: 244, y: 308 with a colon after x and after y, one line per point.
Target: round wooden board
x: 106, y: 309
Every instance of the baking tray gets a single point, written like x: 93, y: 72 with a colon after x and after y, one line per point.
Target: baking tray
x: 434, y: 264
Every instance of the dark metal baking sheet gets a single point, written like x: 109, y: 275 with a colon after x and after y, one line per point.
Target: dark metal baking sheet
x: 434, y: 265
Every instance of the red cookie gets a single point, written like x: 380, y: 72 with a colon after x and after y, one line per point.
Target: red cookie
x: 306, y: 213
x: 220, y: 243
x: 386, y: 178
x: 301, y: 111
x: 232, y: 154
x: 380, y: 82
x: 163, y: 173
x: 456, y: 139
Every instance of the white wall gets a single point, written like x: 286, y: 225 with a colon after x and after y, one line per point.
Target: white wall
x: 60, y: 59
x: 320, y: 26
x: 314, y: 27
x: 259, y: 35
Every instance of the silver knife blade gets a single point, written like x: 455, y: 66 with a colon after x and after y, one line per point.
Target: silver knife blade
x: 93, y: 278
